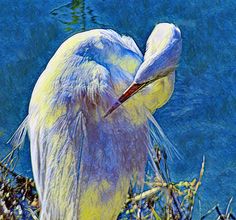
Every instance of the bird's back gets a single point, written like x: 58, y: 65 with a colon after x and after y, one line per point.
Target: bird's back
x: 82, y: 162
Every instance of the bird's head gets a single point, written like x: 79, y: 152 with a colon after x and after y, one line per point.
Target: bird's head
x: 162, y: 54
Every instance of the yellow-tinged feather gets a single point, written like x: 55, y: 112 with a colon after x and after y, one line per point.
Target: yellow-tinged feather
x: 61, y: 192
x: 92, y: 205
x: 126, y: 63
x: 158, y: 93
x: 152, y: 97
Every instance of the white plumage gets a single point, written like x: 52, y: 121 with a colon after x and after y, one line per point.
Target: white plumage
x: 82, y: 161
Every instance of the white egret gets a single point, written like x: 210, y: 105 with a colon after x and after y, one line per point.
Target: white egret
x: 82, y: 161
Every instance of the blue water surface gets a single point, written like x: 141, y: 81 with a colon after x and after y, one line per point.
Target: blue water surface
x: 200, y: 117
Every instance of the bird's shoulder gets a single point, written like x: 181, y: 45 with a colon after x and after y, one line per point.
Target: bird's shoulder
x: 100, y: 37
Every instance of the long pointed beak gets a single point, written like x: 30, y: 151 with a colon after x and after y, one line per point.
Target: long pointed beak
x: 133, y: 88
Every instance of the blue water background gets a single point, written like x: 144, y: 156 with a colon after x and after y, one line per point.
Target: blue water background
x: 200, y: 117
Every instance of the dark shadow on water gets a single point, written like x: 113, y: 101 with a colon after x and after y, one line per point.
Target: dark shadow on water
x: 75, y: 16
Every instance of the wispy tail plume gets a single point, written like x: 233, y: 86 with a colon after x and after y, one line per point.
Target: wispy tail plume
x: 158, y: 135
x: 18, y: 138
